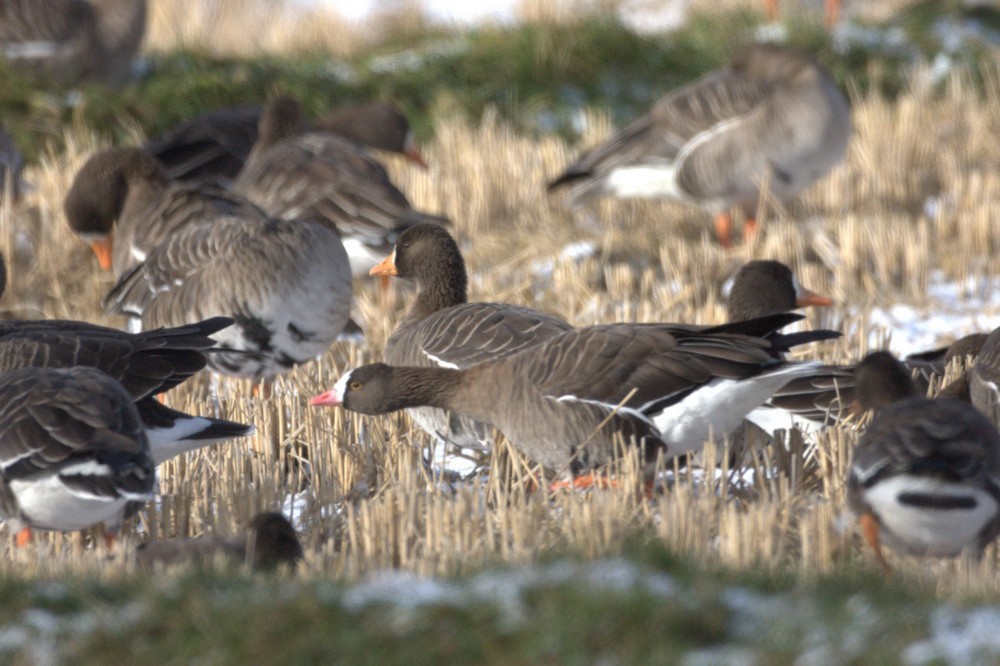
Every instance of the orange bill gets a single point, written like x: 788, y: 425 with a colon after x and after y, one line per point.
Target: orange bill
x: 102, y: 250
x: 386, y: 267
x: 804, y: 297
x: 412, y: 153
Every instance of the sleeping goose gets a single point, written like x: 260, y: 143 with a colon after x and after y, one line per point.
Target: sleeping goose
x: 70, y: 41
x: 925, y: 476
x: 286, y: 283
x: 773, y: 115
x: 269, y: 541
x: 213, y: 146
x: 123, y: 204
x: 327, y: 177
x: 442, y: 329
x: 73, y: 451
x: 565, y: 401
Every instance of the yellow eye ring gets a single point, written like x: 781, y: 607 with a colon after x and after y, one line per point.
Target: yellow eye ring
x: 355, y: 384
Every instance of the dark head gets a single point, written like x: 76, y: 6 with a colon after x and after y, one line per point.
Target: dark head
x: 281, y: 118
x: 428, y: 254
x: 882, y: 380
x: 365, y: 389
x: 378, y: 125
x: 272, y: 541
x: 763, y: 288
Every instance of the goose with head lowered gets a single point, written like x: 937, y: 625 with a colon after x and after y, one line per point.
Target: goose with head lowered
x: 774, y: 115
x: 124, y: 205
x: 925, y: 476
x: 569, y: 400
x: 291, y: 173
x: 442, y: 329
x: 212, y: 147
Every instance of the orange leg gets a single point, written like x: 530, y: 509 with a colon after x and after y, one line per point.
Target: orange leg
x: 831, y: 12
x: 869, y: 528
x: 750, y: 229
x: 23, y: 537
x: 584, y: 481
x: 724, y: 229
x: 262, y: 389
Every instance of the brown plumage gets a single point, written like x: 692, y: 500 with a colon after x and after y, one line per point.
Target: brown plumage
x: 774, y: 114
x: 269, y: 541
x: 324, y: 176
x: 71, y: 41
x: 442, y: 329
x: 566, y: 401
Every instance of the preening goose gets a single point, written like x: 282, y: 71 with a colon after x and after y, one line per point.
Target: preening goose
x: 123, y: 204
x: 925, y: 479
x: 70, y: 41
x: 286, y: 283
x: 442, y: 329
x: 213, y: 146
x: 773, y: 115
x: 565, y: 401
x: 73, y: 451
x: 327, y: 177
x: 269, y: 541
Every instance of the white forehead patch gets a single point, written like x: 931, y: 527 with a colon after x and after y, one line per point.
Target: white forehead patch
x: 341, y: 386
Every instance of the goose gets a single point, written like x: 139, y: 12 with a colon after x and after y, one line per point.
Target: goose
x: 72, y: 41
x: 773, y: 115
x: 213, y: 146
x: 567, y: 401
x: 321, y: 175
x: 73, y: 451
x: 984, y: 378
x: 286, y: 283
x: 442, y: 329
x: 270, y: 541
x: 924, y: 476
x: 123, y: 204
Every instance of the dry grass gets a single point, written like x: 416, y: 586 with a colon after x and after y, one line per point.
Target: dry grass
x: 363, y: 497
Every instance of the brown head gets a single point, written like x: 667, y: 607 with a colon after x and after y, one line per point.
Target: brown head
x: 272, y: 541
x: 882, y: 380
x: 280, y: 119
x: 763, y: 288
x: 379, y: 388
x: 378, y: 125
x: 428, y: 254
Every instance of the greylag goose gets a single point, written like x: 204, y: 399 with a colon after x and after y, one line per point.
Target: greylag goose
x: 924, y: 479
x: 73, y: 451
x: 565, y: 402
x: 214, y: 146
x: 123, y: 204
x: 442, y: 329
x: 286, y: 283
x: 70, y: 41
x: 773, y: 115
x: 270, y: 541
x: 324, y: 176
x: 984, y: 378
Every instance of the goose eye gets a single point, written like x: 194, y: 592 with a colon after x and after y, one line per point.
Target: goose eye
x: 355, y: 384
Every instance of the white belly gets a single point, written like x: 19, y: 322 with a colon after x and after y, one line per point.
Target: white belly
x: 48, y: 504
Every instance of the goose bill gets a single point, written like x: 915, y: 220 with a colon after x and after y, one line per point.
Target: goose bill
x: 386, y: 267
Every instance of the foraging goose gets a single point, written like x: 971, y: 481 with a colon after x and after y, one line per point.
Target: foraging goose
x: 70, y: 41
x: 270, y: 541
x: 286, y: 283
x: 880, y: 379
x: 442, y: 329
x: 324, y: 176
x: 924, y: 479
x: 565, y: 401
x: 773, y: 115
x: 984, y: 378
x: 73, y: 452
x: 123, y: 204
x: 145, y: 364
x: 214, y: 146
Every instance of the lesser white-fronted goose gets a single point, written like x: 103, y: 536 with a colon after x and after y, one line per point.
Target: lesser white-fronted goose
x: 286, y: 283
x: 123, y: 204
x: 73, y: 452
x: 925, y: 479
x: 145, y: 364
x: 270, y: 541
x: 565, y: 401
x: 213, y: 146
x: 69, y: 41
x: 327, y: 177
x: 984, y: 378
x: 773, y: 115
x: 442, y: 329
